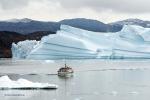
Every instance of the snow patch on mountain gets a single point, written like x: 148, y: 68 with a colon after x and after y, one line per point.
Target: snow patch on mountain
x: 131, y: 21
x: 24, y: 20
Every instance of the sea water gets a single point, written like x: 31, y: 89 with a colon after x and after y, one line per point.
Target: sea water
x: 92, y: 80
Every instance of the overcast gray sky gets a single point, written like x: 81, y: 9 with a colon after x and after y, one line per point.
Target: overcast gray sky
x: 55, y: 10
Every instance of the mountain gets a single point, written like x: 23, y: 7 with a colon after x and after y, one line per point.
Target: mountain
x: 87, y: 24
x: 24, y: 20
x: 91, y: 25
x: 145, y: 24
x: 26, y: 26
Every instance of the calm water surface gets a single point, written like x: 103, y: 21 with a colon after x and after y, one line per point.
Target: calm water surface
x: 92, y: 80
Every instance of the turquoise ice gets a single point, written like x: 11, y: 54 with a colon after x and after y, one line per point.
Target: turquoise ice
x: 74, y: 43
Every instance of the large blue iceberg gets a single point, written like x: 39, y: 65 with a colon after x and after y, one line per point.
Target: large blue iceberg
x: 74, y: 43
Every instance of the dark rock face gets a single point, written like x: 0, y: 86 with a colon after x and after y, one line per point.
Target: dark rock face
x: 38, y: 35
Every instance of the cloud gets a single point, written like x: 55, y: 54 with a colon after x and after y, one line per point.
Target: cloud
x: 127, y: 6
x: 13, y: 4
x: 55, y: 10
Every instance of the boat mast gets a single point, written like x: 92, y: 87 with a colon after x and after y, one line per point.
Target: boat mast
x: 65, y: 63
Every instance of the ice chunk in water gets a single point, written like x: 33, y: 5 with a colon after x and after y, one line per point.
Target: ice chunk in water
x: 7, y: 83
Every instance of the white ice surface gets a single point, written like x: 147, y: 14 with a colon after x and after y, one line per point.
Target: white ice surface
x: 74, y: 43
x: 7, y: 83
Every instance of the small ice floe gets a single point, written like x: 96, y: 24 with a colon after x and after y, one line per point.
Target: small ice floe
x: 49, y: 61
x: 114, y: 93
x: 133, y: 93
x: 79, y: 98
x: 96, y: 93
x: 7, y: 83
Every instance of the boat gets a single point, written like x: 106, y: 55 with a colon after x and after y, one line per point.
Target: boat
x: 65, y: 71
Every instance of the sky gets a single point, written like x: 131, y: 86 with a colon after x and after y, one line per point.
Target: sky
x: 56, y: 10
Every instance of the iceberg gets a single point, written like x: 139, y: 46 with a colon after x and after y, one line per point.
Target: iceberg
x: 7, y: 83
x: 23, y: 48
x: 74, y: 43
